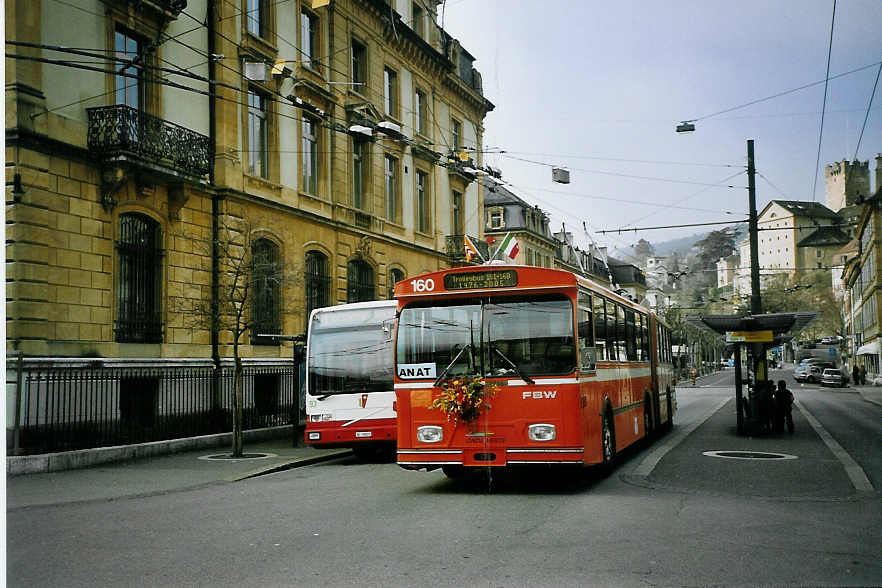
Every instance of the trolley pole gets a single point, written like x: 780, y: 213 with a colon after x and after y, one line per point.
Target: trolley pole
x: 756, y: 306
x: 762, y: 388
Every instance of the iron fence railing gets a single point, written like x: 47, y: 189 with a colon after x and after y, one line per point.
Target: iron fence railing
x: 63, y: 405
x: 119, y: 130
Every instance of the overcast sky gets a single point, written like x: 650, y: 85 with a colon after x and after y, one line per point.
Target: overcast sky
x: 585, y: 84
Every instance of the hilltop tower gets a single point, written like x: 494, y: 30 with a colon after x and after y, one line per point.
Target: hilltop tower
x: 847, y: 183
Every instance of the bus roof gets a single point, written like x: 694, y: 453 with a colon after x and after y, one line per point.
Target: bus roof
x: 354, y: 306
x: 493, y: 278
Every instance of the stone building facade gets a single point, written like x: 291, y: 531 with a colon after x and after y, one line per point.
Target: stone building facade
x: 337, y: 142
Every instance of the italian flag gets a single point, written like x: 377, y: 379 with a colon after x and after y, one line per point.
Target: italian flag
x: 509, y: 246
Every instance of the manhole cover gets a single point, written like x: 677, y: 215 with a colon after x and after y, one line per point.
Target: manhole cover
x: 748, y: 455
x: 231, y: 457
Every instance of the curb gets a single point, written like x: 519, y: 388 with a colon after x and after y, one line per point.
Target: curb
x: 83, y: 458
x: 291, y: 464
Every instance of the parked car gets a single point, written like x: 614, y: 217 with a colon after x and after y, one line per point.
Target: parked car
x: 811, y: 372
x: 832, y: 377
x: 800, y: 369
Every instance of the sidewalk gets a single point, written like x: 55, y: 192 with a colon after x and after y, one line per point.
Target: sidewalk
x: 869, y: 393
x: 157, y: 475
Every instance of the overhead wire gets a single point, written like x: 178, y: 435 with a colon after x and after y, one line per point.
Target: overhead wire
x: 785, y: 92
x: 824, y: 103
x: 620, y: 175
x: 867, y: 115
x: 682, y: 200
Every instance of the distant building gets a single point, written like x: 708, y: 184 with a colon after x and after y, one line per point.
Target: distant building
x: 628, y: 277
x: 794, y: 237
x: 847, y: 183
x: 506, y: 212
x: 657, y: 271
x: 726, y: 268
x: 863, y: 286
x: 587, y: 263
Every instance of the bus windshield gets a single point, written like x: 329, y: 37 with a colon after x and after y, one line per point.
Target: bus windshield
x: 513, y: 336
x: 349, y: 357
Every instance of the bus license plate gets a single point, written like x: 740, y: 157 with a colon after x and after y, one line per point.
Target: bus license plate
x: 363, y: 434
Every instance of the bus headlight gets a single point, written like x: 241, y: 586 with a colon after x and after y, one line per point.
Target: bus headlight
x: 541, y: 432
x: 430, y: 434
x: 318, y: 418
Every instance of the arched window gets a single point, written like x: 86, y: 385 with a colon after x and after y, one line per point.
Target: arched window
x: 318, y: 282
x: 266, y: 296
x: 395, y: 275
x: 359, y: 281
x: 140, y: 273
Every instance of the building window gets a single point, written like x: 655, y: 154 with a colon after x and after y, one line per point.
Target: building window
x: 395, y: 276
x: 390, y: 92
x: 309, y: 39
x: 256, y: 17
x: 495, y: 219
x: 422, y: 113
x: 457, y: 210
x: 266, y: 297
x: 456, y: 134
x: 140, y: 258
x: 309, y: 155
x: 318, y: 282
x: 359, y: 173
x: 422, y: 204
x: 359, y: 281
x: 257, y: 134
x: 417, y: 20
x: 359, y: 67
x: 390, y: 173
x: 129, y: 91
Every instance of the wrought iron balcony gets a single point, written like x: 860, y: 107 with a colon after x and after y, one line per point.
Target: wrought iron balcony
x: 455, y: 247
x: 119, y: 131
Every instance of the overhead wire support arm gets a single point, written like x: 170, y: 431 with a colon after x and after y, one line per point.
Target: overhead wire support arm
x: 635, y: 229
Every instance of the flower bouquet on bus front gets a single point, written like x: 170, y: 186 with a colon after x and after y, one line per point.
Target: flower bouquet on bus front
x: 462, y: 399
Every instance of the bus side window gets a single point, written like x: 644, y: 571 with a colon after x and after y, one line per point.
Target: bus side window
x: 644, y: 338
x: 600, y: 331
x: 587, y: 351
x: 621, y: 333
x: 631, y: 334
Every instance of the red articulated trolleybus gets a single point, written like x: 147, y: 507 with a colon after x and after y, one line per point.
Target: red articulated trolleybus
x: 501, y: 365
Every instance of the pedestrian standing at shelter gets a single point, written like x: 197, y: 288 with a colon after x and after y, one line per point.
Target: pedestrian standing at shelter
x: 856, y: 374
x: 783, y: 408
x: 863, y: 371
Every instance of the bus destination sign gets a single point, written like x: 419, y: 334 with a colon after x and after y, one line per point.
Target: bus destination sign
x: 488, y: 279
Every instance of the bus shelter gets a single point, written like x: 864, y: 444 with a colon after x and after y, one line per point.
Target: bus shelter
x: 758, y: 333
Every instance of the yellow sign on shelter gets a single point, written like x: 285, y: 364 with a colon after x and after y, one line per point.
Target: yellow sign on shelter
x: 749, y: 337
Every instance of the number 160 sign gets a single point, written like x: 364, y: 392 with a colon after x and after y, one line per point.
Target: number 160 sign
x: 423, y: 285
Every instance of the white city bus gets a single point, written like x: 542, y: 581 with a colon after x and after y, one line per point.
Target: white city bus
x: 349, y: 377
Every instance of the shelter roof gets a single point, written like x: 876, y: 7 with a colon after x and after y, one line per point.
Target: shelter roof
x: 779, y: 323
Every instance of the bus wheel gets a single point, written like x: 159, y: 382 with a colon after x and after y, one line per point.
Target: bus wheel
x: 608, y: 441
x: 454, y: 472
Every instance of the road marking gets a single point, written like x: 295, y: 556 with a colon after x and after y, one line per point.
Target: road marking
x: 855, y: 472
x: 651, y: 460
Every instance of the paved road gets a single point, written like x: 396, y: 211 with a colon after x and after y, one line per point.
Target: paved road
x: 688, y: 520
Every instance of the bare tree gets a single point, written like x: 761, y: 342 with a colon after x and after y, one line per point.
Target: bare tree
x: 250, y: 280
